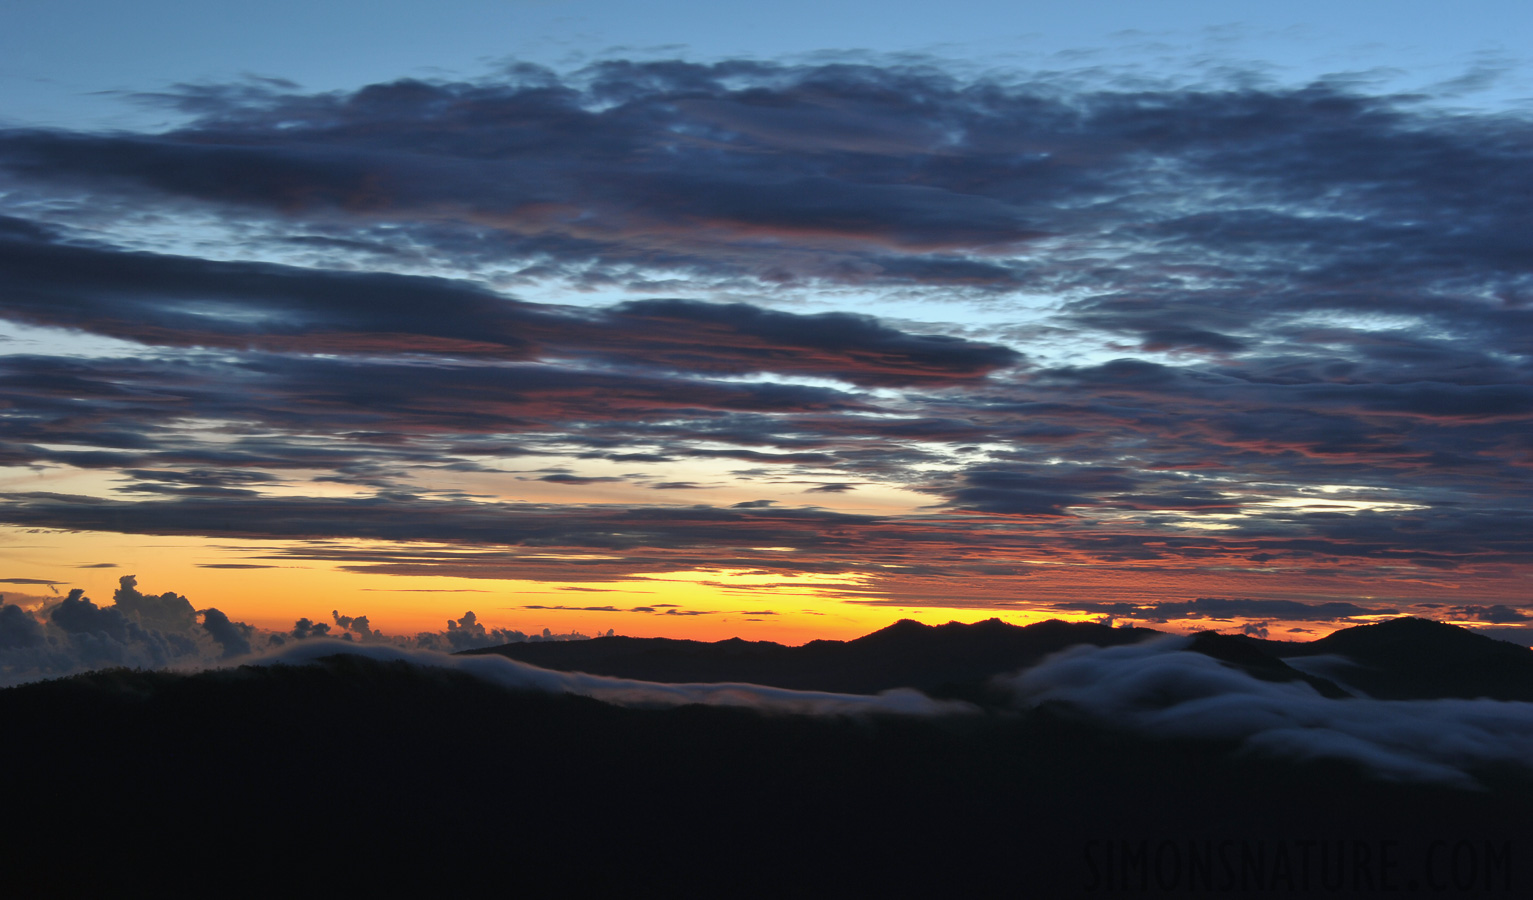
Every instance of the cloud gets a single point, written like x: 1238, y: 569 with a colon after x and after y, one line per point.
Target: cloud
x: 1156, y: 688
x: 1014, y: 491
x: 140, y: 630
x: 234, y: 637
x: 849, y: 173
x: 1498, y: 614
x: 515, y: 675
x: 1286, y: 333
x: 467, y: 633
x: 167, y: 612
x: 667, y: 609
x: 74, y: 634
x: 1522, y: 637
x: 188, y: 302
x: 163, y: 631
x: 831, y: 488
x: 76, y: 614
x: 354, y: 625
x: 1223, y: 608
x: 409, y: 517
x: 881, y: 354
x: 18, y: 629
x: 303, y: 629
x: 566, y: 478
x: 464, y: 633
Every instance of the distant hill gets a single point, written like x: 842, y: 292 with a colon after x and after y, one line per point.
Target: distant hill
x: 940, y: 659
x: 1418, y: 659
x: 1232, y: 651
x: 1397, y: 660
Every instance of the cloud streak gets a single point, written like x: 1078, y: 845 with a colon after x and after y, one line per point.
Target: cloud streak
x: 515, y: 675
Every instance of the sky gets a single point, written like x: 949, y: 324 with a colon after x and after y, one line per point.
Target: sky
x: 781, y: 323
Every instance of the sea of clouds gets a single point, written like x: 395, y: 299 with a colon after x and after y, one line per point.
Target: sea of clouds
x: 1157, y: 689
x: 1153, y: 688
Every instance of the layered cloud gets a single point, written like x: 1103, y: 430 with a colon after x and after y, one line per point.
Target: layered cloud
x: 951, y: 337
x: 181, y: 301
x: 853, y: 174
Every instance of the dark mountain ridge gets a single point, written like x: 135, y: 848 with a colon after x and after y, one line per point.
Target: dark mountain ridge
x: 1399, y: 659
x: 930, y: 658
x: 349, y: 775
x: 1419, y: 659
x: 1231, y: 651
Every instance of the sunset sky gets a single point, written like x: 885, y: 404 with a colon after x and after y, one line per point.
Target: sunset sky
x: 781, y: 322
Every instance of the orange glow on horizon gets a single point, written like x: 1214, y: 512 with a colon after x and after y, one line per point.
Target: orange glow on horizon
x: 251, y: 581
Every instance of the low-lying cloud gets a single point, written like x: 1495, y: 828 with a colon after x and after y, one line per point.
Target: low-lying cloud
x: 516, y: 675
x: 1156, y: 689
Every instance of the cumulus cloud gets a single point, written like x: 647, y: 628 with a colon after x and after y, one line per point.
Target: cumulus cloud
x: 18, y: 629
x: 355, y: 625
x: 233, y: 637
x: 463, y: 633
x: 139, y: 630
x: 1155, y: 688
x: 467, y: 633
x: 75, y: 634
x: 303, y: 628
x: 167, y: 612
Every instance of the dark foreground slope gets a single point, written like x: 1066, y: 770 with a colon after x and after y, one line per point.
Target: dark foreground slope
x: 350, y: 776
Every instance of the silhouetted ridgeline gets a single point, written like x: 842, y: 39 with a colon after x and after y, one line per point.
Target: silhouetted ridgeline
x: 906, y: 654
x: 1405, y: 659
x: 1399, y: 659
x: 350, y: 774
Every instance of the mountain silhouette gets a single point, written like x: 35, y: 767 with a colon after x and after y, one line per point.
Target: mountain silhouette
x: 349, y: 774
x: 1232, y: 651
x: 944, y: 660
x: 1419, y: 659
x: 1402, y: 659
